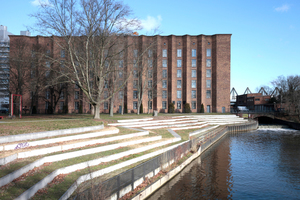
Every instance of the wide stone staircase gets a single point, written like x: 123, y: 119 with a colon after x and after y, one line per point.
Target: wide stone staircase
x: 54, y: 164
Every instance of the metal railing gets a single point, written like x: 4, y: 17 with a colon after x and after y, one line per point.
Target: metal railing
x: 115, y: 184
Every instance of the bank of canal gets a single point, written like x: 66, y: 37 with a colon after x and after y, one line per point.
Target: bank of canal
x: 261, y: 164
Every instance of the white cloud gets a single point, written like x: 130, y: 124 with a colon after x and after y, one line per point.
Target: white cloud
x: 283, y: 8
x: 40, y: 2
x: 151, y: 23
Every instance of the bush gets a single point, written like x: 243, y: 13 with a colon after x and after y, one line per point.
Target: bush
x: 34, y: 111
x: 187, y: 108
x: 202, y: 108
x: 65, y: 109
x: 80, y: 109
x: 125, y: 108
x: 171, y: 108
x: 141, y: 109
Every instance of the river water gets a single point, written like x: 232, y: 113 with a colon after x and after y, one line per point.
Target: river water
x: 261, y: 164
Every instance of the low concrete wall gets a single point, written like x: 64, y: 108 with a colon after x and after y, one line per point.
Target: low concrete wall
x: 32, y: 136
x: 72, y: 168
x: 159, y: 183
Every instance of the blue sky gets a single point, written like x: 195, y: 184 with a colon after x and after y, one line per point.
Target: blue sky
x: 265, y: 33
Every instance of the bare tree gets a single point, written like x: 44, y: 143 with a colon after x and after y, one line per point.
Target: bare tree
x: 144, y: 73
x: 90, y: 32
x: 20, y: 63
x: 289, y: 89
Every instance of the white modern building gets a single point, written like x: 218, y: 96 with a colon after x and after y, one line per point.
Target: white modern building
x: 4, y: 68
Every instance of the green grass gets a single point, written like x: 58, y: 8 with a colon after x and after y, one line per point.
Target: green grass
x: 38, y: 126
x: 56, y: 191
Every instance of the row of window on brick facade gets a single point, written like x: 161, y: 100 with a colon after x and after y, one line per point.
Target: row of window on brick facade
x: 179, y: 53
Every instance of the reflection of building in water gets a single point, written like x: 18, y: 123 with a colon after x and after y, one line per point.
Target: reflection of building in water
x: 216, y: 164
x: 207, y: 177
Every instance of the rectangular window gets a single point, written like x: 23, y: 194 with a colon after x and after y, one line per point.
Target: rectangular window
x: 149, y: 94
x: 121, y: 63
x: 208, y: 108
x: 164, y: 53
x: 165, y: 73
x: 193, y: 93
x: 135, y: 104
x: 61, y: 95
x: 105, y: 105
x: 62, y: 53
x: 178, y: 63
x: 164, y: 94
x: 208, y: 94
x: 76, y: 95
x: 193, y: 83
x: 150, y: 84
x: 149, y: 73
x: 178, y: 94
x: 223, y: 109
x: 178, y: 52
x: 208, y: 83
x: 178, y: 83
x: 257, y: 99
x: 120, y: 94
x: 135, y: 94
x: 76, y: 105
x: 193, y: 73
x: 120, y: 74
x: 106, y: 64
x: 47, y: 94
x: 178, y: 104
x: 135, y: 53
x: 164, y: 105
x: 61, y: 105
x: 193, y: 104
x: 150, y: 53
x: 150, y: 104
x: 46, y: 105
x: 150, y: 63
x: 165, y: 63
x: 134, y: 63
x: 135, y: 83
x: 208, y: 73
x: 164, y: 84
x: 208, y: 62
x: 194, y: 63
x: 194, y: 52
x: 105, y: 94
x: 178, y: 73
x: 208, y: 52
x: 62, y: 64
x: 135, y: 74
x: 105, y: 84
x: 32, y: 73
x: 48, y: 64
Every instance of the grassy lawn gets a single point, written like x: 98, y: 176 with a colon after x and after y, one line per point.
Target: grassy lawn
x: 39, y: 123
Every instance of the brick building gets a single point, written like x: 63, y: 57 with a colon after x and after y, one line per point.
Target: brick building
x: 182, y: 69
x: 255, y: 102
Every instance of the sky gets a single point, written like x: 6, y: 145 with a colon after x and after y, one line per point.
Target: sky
x: 265, y: 40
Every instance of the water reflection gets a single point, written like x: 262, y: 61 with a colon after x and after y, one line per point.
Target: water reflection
x: 262, y: 164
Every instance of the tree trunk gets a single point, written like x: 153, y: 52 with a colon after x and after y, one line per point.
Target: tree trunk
x: 122, y: 111
x: 138, y: 108
x: 111, y: 111
x: 97, y: 111
x: 92, y: 110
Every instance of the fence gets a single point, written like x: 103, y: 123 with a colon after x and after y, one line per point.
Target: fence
x: 128, y: 180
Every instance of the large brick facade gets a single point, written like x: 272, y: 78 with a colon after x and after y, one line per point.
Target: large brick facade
x: 186, y: 69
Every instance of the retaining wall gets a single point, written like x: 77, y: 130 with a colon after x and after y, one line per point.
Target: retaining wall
x: 130, y: 179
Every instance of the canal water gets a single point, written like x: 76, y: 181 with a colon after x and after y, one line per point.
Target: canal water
x: 261, y: 164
